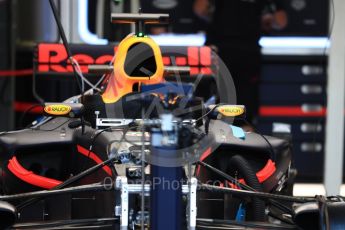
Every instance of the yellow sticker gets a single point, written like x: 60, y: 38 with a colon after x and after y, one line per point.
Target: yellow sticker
x: 57, y: 109
x: 231, y: 110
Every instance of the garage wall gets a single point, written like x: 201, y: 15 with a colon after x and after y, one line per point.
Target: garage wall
x: 6, y: 82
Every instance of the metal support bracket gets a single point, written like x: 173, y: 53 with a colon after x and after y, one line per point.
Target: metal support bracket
x: 122, y: 184
x: 191, y: 208
x: 125, y: 188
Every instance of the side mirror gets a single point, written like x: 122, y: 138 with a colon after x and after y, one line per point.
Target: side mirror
x: 8, y: 215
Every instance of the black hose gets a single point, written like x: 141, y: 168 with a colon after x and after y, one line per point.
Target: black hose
x: 243, y: 186
x: 240, y: 164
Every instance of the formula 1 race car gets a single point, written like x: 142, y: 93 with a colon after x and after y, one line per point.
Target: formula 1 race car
x: 140, y: 152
